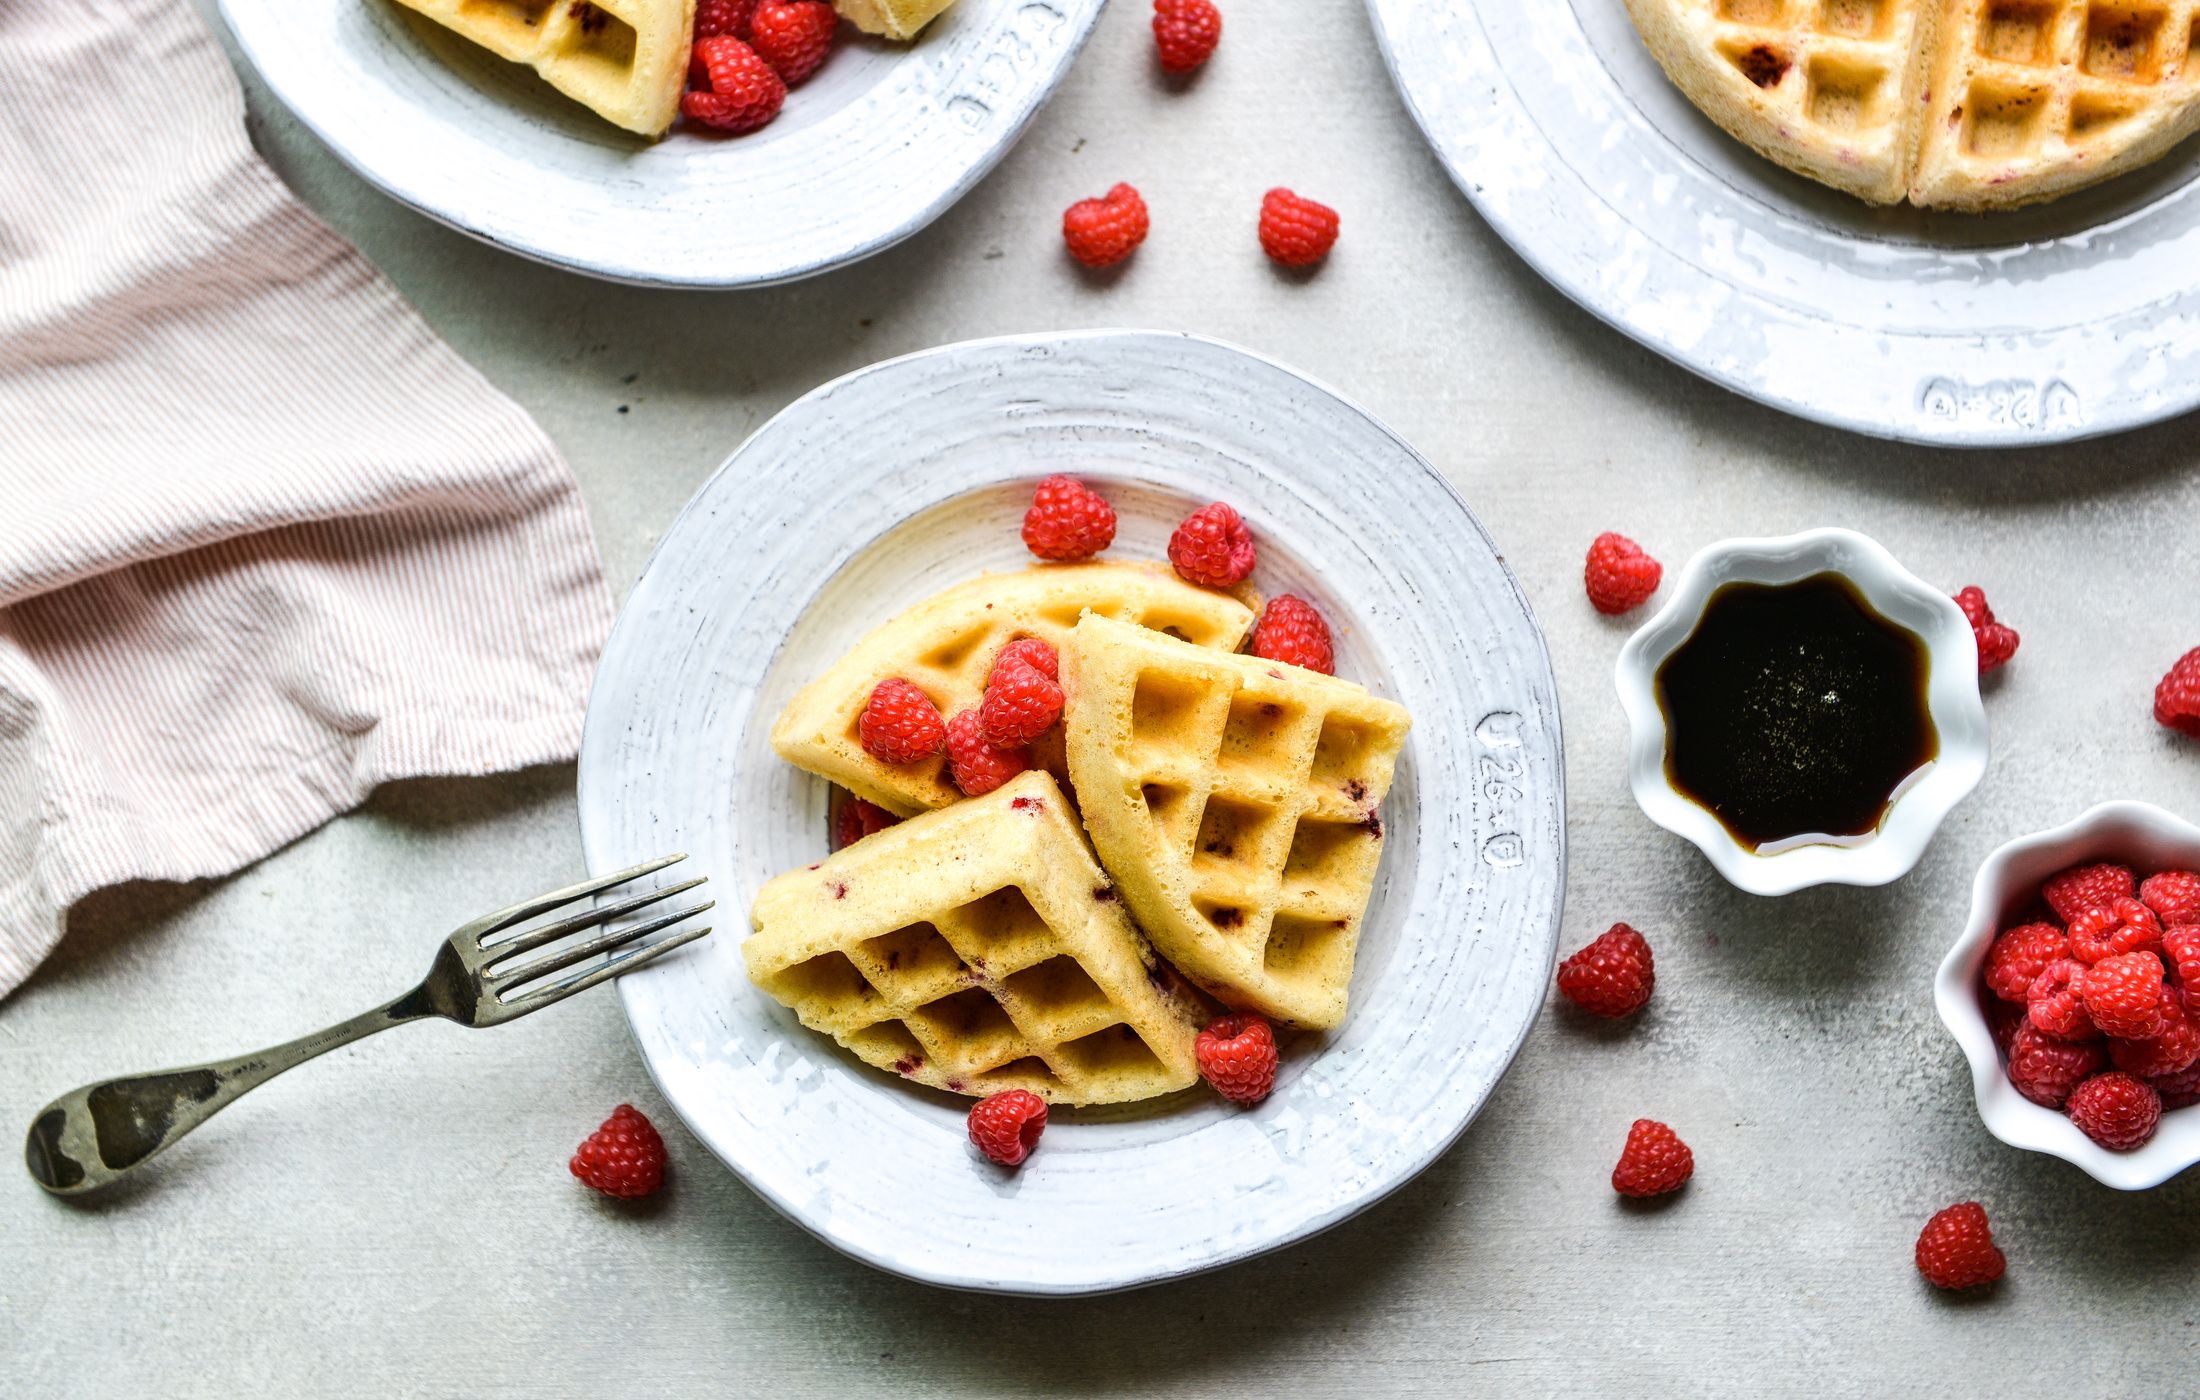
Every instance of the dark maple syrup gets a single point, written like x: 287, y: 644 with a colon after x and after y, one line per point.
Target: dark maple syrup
x: 1796, y: 710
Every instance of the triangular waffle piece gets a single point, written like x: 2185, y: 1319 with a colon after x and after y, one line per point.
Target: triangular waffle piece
x: 891, y: 19
x: 1236, y: 802
x: 624, y: 60
x: 979, y: 949
x: 945, y: 647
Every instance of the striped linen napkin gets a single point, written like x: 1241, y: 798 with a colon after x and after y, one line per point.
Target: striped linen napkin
x: 265, y: 541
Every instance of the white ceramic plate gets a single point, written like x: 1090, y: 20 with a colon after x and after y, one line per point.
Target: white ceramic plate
x: 871, y: 149
x: 2054, y: 323
x: 882, y: 487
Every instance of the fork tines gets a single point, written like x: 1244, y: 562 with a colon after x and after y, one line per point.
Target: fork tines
x: 503, y: 937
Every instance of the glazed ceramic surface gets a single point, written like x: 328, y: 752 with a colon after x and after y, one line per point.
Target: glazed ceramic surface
x: 2071, y: 319
x: 882, y: 487
x: 2134, y: 833
x: 877, y: 144
x: 1952, y: 699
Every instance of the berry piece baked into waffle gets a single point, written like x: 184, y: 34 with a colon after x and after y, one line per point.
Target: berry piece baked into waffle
x: 1957, y: 104
x: 1236, y: 801
x: 946, y: 647
x: 979, y: 949
x: 624, y: 60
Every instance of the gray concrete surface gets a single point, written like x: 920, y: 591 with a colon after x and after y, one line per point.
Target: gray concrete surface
x: 397, y: 1221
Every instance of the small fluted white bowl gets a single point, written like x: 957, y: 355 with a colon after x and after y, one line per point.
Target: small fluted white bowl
x: 1952, y: 700
x: 2131, y: 833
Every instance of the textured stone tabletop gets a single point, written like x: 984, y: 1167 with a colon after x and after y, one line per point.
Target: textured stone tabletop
x: 397, y: 1220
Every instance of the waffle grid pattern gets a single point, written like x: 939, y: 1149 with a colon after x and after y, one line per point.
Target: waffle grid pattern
x: 1851, y: 55
x: 2038, y: 73
x: 590, y: 50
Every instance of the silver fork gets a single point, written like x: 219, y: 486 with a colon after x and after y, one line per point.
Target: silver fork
x: 91, y: 1136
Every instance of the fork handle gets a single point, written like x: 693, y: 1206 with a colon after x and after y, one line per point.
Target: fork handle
x: 93, y: 1135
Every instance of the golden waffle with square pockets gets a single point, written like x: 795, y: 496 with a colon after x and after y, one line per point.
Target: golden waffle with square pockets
x: 624, y: 60
x: 976, y: 949
x: 891, y: 19
x: 1236, y: 802
x: 945, y: 646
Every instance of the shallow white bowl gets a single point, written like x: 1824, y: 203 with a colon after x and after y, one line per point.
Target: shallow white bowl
x: 2133, y: 833
x: 877, y: 489
x: 877, y: 144
x: 1952, y: 699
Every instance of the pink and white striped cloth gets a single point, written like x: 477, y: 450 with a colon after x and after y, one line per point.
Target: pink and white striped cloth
x: 265, y: 541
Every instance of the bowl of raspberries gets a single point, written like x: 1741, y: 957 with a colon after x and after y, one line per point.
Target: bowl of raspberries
x: 2075, y: 993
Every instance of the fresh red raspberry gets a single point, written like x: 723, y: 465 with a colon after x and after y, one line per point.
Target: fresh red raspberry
x: 2075, y: 891
x: 2123, y: 995
x: 2045, y: 1069
x: 1006, y: 1126
x: 1654, y: 1161
x: 1214, y: 547
x: 723, y: 18
x: 1237, y: 1055
x: 793, y: 36
x: 2124, y: 925
x: 2177, y: 698
x: 1021, y: 703
x: 1291, y: 631
x: 2115, y: 1110
x: 857, y: 819
x: 1027, y: 651
x: 1620, y: 577
x: 1186, y: 32
x: 900, y: 724
x: 1956, y: 1248
x: 624, y: 1157
x: 1996, y: 642
x: 1612, y: 976
x: 1068, y: 520
x: 2173, y: 895
x: 2181, y: 945
x: 978, y: 767
x: 2018, y: 957
x: 2170, y: 1050
x: 2056, y: 1003
x: 1102, y: 232
x: 2002, y: 1020
x: 2181, y: 1090
x: 730, y: 87
x: 1294, y: 230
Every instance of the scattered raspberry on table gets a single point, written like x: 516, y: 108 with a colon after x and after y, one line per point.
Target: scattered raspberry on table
x: 1956, y: 1248
x: 1237, y: 1055
x: 2076, y: 890
x: 623, y: 1158
x: 1021, y: 702
x: 1006, y: 1126
x: 857, y: 819
x: 793, y: 36
x: 2115, y: 1110
x: 900, y: 724
x: 977, y: 766
x: 731, y: 88
x: 1185, y: 33
x: 2177, y: 697
x: 1296, y: 231
x: 1068, y: 521
x: 1620, y: 577
x: 1213, y: 547
x: 1291, y: 631
x: 1997, y: 642
x: 1612, y: 976
x: 1654, y: 1161
x: 1102, y: 232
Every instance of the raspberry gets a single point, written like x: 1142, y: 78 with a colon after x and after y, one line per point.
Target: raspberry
x: 2124, y: 925
x: 2181, y: 945
x: 978, y: 767
x: 1996, y: 642
x: 1294, y: 230
x: 1612, y: 976
x: 2055, y: 1004
x: 900, y: 724
x: 1291, y: 631
x: 1654, y: 1161
x: 1102, y: 232
x: 730, y: 87
x: 2170, y: 1050
x: 1068, y: 520
x: 2045, y: 1069
x: 2181, y: 1090
x: 723, y: 18
x: 1021, y: 703
x: 2174, y: 896
x: 1213, y: 546
x: 2019, y: 955
x: 2002, y: 1020
x: 2123, y: 995
x: 857, y: 819
x: 793, y: 36
x: 2177, y: 698
x: 1956, y: 1248
x: 1237, y: 1054
x: 624, y: 1157
x: 1027, y: 651
x: 2115, y: 1110
x: 1006, y: 1126
x: 1620, y: 577
x: 1185, y: 32
x: 2075, y: 891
